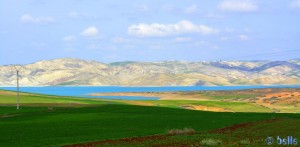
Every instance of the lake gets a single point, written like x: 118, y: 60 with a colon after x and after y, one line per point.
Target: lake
x: 84, y: 91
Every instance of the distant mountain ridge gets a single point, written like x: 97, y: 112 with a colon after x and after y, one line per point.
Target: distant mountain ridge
x: 72, y: 71
x: 260, y: 68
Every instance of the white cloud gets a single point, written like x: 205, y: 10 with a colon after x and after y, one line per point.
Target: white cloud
x: 192, y: 9
x: 74, y: 14
x: 215, y: 47
x: 119, y: 40
x: 94, y: 46
x: 26, y: 18
x: 224, y: 38
x: 143, y: 7
x: 169, y: 8
x: 160, y: 30
x: 295, y: 4
x: 238, y: 6
x: 243, y: 37
x: 182, y: 39
x: 69, y: 38
x: 229, y: 30
x: 90, y: 31
x: 214, y: 15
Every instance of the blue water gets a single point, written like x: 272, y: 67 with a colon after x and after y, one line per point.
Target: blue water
x: 84, y: 91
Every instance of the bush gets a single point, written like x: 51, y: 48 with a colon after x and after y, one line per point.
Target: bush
x: 181, y: 131
x: 210, y: 142
x: 245, y: 141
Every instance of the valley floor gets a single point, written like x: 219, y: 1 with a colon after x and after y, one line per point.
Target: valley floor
x: 45, y: 120
x: 284, y: 100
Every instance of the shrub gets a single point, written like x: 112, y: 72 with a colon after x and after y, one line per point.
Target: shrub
x: 181, y: 131
x: 211, y: 142
x: 245, y: 141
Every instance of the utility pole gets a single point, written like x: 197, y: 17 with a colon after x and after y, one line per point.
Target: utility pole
x: 18, y: 95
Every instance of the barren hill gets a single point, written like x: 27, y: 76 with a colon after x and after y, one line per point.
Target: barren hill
x: 70, y: 71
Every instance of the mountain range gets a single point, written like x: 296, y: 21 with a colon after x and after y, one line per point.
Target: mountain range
x: 72, y: 71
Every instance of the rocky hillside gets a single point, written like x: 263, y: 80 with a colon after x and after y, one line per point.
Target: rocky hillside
x: 69, y: 71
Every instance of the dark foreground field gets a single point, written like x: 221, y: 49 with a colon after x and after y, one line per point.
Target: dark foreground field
x: 245, y: 134
x: 57, y: 121
x: 41, y: 126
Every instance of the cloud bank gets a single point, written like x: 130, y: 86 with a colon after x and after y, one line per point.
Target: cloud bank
x: 26, y: 18
x: 160, y: 30
x: 238, y: 6
x: 90, y: 31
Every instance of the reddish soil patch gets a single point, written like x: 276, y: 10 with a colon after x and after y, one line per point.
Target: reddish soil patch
x: 280, y: 100
x: 136, y: 140
x: 241, y: 126
x: 120, y: 141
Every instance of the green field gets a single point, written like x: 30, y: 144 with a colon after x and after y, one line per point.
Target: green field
x: 232, y: 106
x: 7, y: 97
x: 55, y: 121
x: 247, y: 134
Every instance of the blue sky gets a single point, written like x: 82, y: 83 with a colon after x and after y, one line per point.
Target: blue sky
x: 140, y: 30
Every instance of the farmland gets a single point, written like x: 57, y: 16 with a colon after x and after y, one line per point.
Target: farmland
x: 45, y: 120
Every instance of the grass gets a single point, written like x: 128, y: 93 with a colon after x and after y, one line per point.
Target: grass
x: 45, y: 120
x: 222, y: 97
x: 8, y: 97
x: 38, y: 126
x: 210, y: 142
x: 233, y: 106
x: 253, y: 135
x: 181, y: 131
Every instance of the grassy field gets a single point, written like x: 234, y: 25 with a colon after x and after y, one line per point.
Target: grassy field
x: 27, y: 99
x: 40, y: 126
x: 229, y: 106
x: 45, y: 120
x: 8, y: 97
x: 246, y: 134
x: 283, y: 100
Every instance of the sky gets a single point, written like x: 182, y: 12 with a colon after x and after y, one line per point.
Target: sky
x: 149, y: 30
